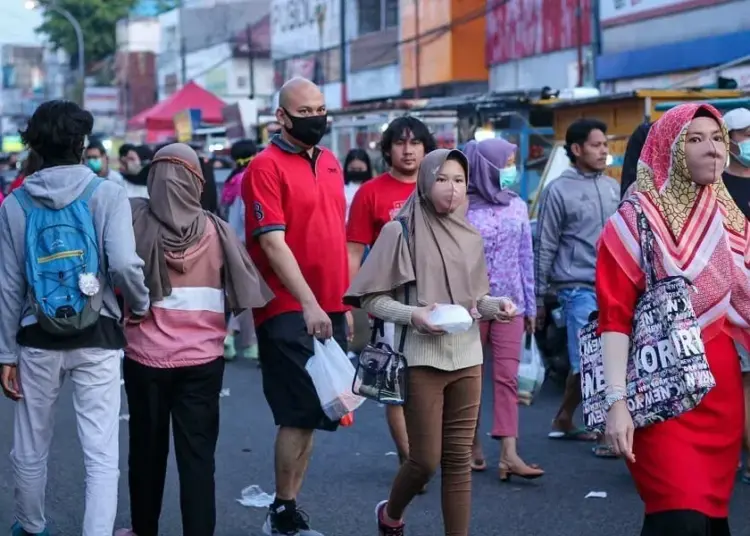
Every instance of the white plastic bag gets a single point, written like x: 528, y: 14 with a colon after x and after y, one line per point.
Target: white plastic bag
x: 451, y: 318
x: 530, y: 371
x: 332, y: 374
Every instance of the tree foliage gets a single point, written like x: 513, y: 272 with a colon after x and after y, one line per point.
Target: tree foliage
x: 98, y: 20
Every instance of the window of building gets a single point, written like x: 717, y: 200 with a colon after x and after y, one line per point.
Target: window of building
x: 242, y: 82
x: 391, y: 13
x: 369, y: 16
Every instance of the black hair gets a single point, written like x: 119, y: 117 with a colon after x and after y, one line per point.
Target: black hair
x: 32, y: 164
x: 632, y: 155
x: 145, y: 153
x: 357, y: 154
x: 96, y: 144
x: 125, y: 148
x: 399, y: 128
x: 579, y: 131
x: 57, y: 132
x: 242, y: 149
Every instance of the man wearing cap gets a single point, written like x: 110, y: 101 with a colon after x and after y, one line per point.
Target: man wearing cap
x: 737, y: 181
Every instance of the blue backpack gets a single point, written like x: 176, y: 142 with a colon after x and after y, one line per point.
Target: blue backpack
x: 63, y: 263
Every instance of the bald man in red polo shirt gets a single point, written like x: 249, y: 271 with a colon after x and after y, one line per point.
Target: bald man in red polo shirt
x: 295, y: 224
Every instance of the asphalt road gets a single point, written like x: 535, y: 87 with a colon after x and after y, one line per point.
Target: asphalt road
x: 351, y: 471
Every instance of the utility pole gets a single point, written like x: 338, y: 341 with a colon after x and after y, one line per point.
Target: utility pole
x: 579, y: 31
x: 183, y: 60
x: 417, y: 81
x: 251, y: 60
x: 320, y: 16
x: 342, y: 53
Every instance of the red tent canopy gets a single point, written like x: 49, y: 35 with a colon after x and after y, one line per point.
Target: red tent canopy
x: 191, y: 96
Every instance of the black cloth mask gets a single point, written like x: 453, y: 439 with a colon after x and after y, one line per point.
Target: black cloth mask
x: 356, y: 176
x: 308, y: 130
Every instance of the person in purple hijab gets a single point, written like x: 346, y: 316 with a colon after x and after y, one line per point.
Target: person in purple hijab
x: 501, y: 217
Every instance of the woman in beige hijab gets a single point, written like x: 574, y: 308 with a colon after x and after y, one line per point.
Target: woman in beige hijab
x: 434, y: 251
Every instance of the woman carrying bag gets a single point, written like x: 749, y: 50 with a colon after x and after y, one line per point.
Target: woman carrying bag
x: 433, y: 255
x: 684, y: 468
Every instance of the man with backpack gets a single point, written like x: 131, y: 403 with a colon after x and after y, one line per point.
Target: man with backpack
x: 66, y: 238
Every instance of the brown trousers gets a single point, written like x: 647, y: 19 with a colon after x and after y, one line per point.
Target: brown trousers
x: 441, y: 417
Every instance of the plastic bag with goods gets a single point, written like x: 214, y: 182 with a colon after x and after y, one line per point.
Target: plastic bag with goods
x: 531, y: 371
x: 451, y: 318
x: 332, y: 372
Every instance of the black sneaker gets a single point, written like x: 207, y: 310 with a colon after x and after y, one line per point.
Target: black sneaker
x: 288, y: 523
x: 383, y: 529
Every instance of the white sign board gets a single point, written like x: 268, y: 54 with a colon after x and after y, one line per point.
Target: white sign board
x: 609, y: 10
x: 303, y: 26
x: 101, y: 100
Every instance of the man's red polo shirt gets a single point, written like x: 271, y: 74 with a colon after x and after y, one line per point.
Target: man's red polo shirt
x: 284, y: 189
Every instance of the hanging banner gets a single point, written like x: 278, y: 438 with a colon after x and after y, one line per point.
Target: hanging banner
x: 185, y: 123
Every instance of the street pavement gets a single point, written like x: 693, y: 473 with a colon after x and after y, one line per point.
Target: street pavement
x: 351, y: 471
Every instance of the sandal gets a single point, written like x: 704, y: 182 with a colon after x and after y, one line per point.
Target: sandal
x: 575, y: 434
x: 478, y: 465
x: 604, y: 451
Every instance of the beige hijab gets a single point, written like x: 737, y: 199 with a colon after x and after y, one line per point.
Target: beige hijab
x: 443, y: 254
x: 172, y: 220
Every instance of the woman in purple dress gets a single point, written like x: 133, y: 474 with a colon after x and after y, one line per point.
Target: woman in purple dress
x: 501, y: 217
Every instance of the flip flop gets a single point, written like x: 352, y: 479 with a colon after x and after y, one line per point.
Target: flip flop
x: 478, y: 465
x: 604, y: 451
x: 576, y: 434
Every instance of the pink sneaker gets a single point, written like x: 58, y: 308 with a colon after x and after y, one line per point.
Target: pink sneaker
x: 125, y: 532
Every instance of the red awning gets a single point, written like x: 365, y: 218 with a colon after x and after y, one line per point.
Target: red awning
x: 191, y: 96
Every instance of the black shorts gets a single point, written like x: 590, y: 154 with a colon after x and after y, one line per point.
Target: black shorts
x: 283, y: 350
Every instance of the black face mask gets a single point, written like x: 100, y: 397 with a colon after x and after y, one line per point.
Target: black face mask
x: 356, y: 176
x: 308, y: 130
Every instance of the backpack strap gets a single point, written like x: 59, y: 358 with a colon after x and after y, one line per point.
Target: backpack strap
x: 24, y: 199
x: 88, y: 192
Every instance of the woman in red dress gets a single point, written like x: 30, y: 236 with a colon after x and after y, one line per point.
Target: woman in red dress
x: 684, y: 469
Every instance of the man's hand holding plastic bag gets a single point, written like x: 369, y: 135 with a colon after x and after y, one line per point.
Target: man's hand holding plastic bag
x: 332, y: 374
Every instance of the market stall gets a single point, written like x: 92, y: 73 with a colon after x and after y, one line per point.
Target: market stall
x: 513, y: 116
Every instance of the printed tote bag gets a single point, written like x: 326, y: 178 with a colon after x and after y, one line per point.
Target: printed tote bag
x: 667, y: 373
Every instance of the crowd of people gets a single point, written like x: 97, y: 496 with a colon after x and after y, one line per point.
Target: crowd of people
x: 134, y: 273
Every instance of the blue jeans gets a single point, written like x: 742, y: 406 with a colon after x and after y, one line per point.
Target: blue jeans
x: 577, y: 304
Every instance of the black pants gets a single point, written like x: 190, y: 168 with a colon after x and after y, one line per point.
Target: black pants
x: 190, y: 396
x: 284, y: 347
x: 684, y: 523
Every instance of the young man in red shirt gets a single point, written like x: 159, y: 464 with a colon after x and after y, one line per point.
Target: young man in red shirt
x: 404, y: 144
x: 294, y: 198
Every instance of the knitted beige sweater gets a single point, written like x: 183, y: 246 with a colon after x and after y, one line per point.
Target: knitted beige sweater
x: 444, y: 352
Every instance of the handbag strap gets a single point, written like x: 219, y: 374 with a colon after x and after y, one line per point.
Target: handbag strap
x: 379, y: 324
x: 646, y: 239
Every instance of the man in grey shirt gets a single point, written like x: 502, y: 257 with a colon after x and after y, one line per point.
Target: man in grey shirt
x: 572, y: 212
x: 39, y: 345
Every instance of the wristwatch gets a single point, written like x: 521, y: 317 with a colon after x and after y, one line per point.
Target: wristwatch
x: 611, y: 399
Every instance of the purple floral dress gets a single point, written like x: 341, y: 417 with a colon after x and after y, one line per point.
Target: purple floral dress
x: 507, y: 248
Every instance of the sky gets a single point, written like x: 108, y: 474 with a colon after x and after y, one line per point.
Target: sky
x: 17, y: 24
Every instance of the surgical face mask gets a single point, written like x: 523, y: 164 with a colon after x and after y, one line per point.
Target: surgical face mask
x: 94, y: 164
x: 744, y: 153
x: 508, y: 176
x: 133, y: 168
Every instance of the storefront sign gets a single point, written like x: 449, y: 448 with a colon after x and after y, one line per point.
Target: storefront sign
x: 300, y: 26
x: 525, y: 28
x: 616, y: 12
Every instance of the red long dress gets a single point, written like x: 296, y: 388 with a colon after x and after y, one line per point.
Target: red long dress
x: 687, y: 463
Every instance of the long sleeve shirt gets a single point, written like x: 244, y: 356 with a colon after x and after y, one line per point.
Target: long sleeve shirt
x: 508, y: 251
x: 448, y: 352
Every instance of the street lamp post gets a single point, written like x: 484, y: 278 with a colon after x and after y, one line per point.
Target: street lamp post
x: 32, y: 4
